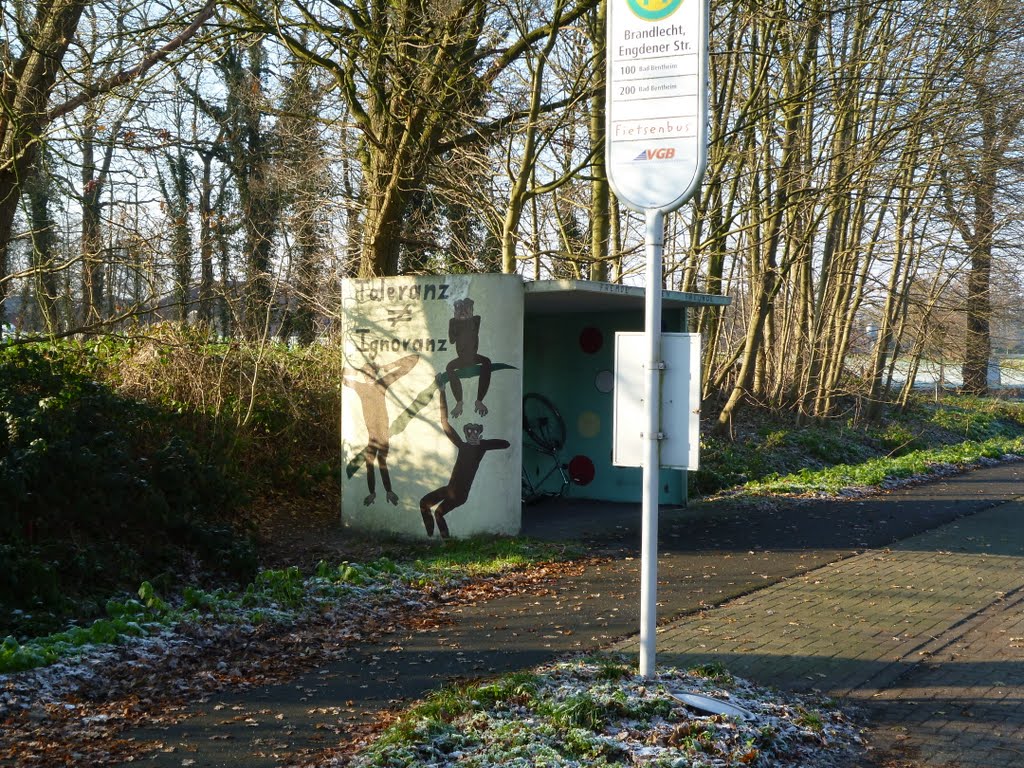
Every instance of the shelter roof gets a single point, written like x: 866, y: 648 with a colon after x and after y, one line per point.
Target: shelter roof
x: 549, y: 297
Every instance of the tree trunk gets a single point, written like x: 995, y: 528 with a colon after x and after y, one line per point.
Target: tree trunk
x: 207, y: 216
x: 25, y: 87
x: 92, y: 235
x: 177, y: 206
x: 979, y: 280
x: 42, y: 258
x: 600, y: 223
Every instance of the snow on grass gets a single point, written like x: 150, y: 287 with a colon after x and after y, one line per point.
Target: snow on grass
x: 597, y: 712
x: 280, y: 596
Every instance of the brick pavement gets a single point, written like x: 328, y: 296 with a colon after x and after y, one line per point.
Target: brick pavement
x: 927, y: 636
x: 964, y: 703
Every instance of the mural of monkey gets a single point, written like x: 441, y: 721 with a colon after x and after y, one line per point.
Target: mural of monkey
x: 464, y: 333
x: 467, y: 462
x: 371, y: 384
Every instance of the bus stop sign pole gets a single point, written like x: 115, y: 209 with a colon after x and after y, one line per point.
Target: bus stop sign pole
x: 655, y: 153
x: 654, y: 247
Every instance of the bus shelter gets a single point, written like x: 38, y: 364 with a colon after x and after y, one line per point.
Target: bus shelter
x: 437, y: 371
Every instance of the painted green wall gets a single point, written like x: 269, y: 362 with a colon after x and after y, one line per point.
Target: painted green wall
x: 397, y: 341
x: 557, y: 365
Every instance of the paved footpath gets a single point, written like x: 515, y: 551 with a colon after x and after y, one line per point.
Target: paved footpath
x: 881, y: 625
x: 927, y: 636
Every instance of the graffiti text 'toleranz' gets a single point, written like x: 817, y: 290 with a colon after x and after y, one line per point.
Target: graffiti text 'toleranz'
x: 380, y: 291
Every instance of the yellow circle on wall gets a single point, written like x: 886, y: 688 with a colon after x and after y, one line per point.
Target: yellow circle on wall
x: 589, y: 424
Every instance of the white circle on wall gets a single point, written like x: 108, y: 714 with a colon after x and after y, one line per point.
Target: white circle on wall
x: 605, y: 381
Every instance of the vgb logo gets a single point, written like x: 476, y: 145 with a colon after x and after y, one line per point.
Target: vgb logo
x: 658, y: 153
x: 654, y: 10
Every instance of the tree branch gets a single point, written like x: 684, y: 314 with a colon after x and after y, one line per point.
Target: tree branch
x: 127, y: 75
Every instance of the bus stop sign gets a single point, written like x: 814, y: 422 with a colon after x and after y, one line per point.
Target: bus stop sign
x: 656, y: 118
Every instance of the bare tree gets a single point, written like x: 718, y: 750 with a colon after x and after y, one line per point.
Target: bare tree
x: 36, y: 38
x: 415, y: 77
x: 983, y: 149
x: 306, y: 192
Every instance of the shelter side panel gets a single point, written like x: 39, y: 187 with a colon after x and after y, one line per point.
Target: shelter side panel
x: 431, y: 392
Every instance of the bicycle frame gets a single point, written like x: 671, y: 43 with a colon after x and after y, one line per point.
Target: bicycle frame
x: 533, y: 490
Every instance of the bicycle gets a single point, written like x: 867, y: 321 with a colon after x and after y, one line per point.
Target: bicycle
x: 544, y: 426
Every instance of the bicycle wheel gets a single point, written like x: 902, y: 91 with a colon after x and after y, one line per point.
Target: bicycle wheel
x: 542, y: 422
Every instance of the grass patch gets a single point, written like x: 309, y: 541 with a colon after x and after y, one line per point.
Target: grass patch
x: 978, y: 419
x: 876, y: 472
x: 609, y: 668
x: 714, y: 671
x: 810, y: 719
x: 485, y: 555
x: 577, y: 710
x: 569, y: 713
x: 771, y: 455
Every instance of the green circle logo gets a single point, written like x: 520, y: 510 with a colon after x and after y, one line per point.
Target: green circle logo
x: 654, y: 10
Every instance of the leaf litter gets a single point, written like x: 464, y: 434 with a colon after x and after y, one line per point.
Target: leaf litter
x: 77, y: 710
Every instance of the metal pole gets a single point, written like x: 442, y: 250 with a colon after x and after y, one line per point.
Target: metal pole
x: 655, y: 240
x: 685, y: 473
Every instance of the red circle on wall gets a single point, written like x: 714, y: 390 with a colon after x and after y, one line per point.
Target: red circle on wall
x: 581, y: 470
x: 591, y: 339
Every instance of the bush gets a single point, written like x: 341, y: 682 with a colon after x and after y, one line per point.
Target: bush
x: 267, y: 413
x: 99, y: 490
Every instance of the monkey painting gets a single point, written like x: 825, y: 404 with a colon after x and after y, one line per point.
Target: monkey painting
x: 464, y: 333
x: 471, y: 452
x: 371, y: 383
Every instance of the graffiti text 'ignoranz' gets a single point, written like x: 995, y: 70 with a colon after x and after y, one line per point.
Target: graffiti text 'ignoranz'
x: 367, y: 343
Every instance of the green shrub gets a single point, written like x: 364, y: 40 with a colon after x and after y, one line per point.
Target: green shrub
x: 714, y: 671
x: 521, y: 686
x: 101, y: 484
x: 977, y: 420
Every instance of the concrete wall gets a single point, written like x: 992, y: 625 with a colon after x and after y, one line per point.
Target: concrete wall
x: 411, y: 343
